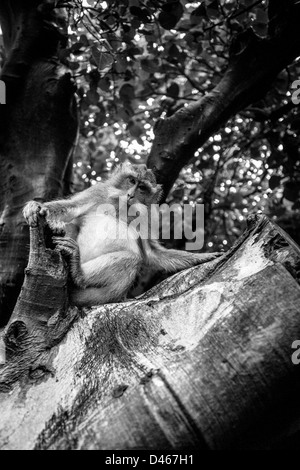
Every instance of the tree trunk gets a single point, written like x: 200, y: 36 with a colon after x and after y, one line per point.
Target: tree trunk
x: 201, y: 361
x: 38, y: 127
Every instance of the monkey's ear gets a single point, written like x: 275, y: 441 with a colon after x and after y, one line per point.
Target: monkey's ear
x: 158, y: 193
x: 150, y: 176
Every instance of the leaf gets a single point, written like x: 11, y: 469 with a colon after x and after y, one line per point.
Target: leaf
x: 274, y: 160
x: 142, y: 13
x: 170, y: 15
x: 63, y: 54
x: 261, y: 23
x: 73, y: 65
x: 124, y: 114
x: 94, y: 77
x: 150, y: 65
x: 136, y: 130
x: 84, y: 40
x: 291, y: 191
x: 262, y: 16
x: 199, y: 12
x: 134, y: 50
x: 174, y: 52
x: 167, y: 21
x: 93, y: 97
x: 173, y: 7
x: 136, y: 11
x: 103, y: 60
x: 256, y: 153
x: 121, y: 64
x: 295, y: 124
x: 119, y: 391
x: 274, y: 181
x: 173, y: 90
x: 100, y: 119
x: 247, y: 3
x: 127, y: 92
x: 113, y: 40
x: 212, y: 9
x: 92, y: 146
x: 104, y: 84
x: 76, y: 48
x: 84, y: 104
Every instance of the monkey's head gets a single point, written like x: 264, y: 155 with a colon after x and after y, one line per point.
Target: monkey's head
x: 137, y: 183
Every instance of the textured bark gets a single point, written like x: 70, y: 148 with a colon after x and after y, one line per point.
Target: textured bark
x: 201, y: 361
x: 253, y: 66
x: 38, y: 127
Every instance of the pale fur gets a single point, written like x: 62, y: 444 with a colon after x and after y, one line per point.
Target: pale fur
x: 104, y: 267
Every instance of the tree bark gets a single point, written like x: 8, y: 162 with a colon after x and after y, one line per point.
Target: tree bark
x: 202, y: 361
x: 38, y: 127
x: 253, y: 66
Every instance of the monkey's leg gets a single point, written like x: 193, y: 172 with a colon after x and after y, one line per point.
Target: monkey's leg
x: 172, y: 261
x: 109, y: 277
x: 118, y: 269
x: 93, y: 296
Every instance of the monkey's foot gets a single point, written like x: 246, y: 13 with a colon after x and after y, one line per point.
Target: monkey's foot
x: 66, y: 245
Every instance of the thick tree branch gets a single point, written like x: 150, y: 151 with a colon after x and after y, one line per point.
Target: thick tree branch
x: 204, y: 360
x: 38, y: 128
x: 254, y: 64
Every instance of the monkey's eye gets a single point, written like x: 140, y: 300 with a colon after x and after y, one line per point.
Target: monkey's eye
x: 131, y: 180
x: 142, y: 187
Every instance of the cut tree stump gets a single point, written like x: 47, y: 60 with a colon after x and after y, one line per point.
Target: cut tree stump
x: 201, y: 361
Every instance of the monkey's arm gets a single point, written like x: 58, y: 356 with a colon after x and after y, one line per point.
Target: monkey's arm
x: 63, y: 211
x: 172, y: 261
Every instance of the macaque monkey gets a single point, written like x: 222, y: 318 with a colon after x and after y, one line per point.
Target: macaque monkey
x: 104, y: 266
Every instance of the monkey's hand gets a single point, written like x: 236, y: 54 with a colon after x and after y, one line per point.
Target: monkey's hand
x: 34, y: 209
x: 67, y: 246
x: 31, y: 212
x: 70, y: 249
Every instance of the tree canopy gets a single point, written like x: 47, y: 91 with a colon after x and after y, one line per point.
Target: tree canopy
x: 207, y: 94
x: 201, y: 91
x: 137, y: 62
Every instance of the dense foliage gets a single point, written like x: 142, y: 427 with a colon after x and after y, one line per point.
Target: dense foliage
x: 137, y: 61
